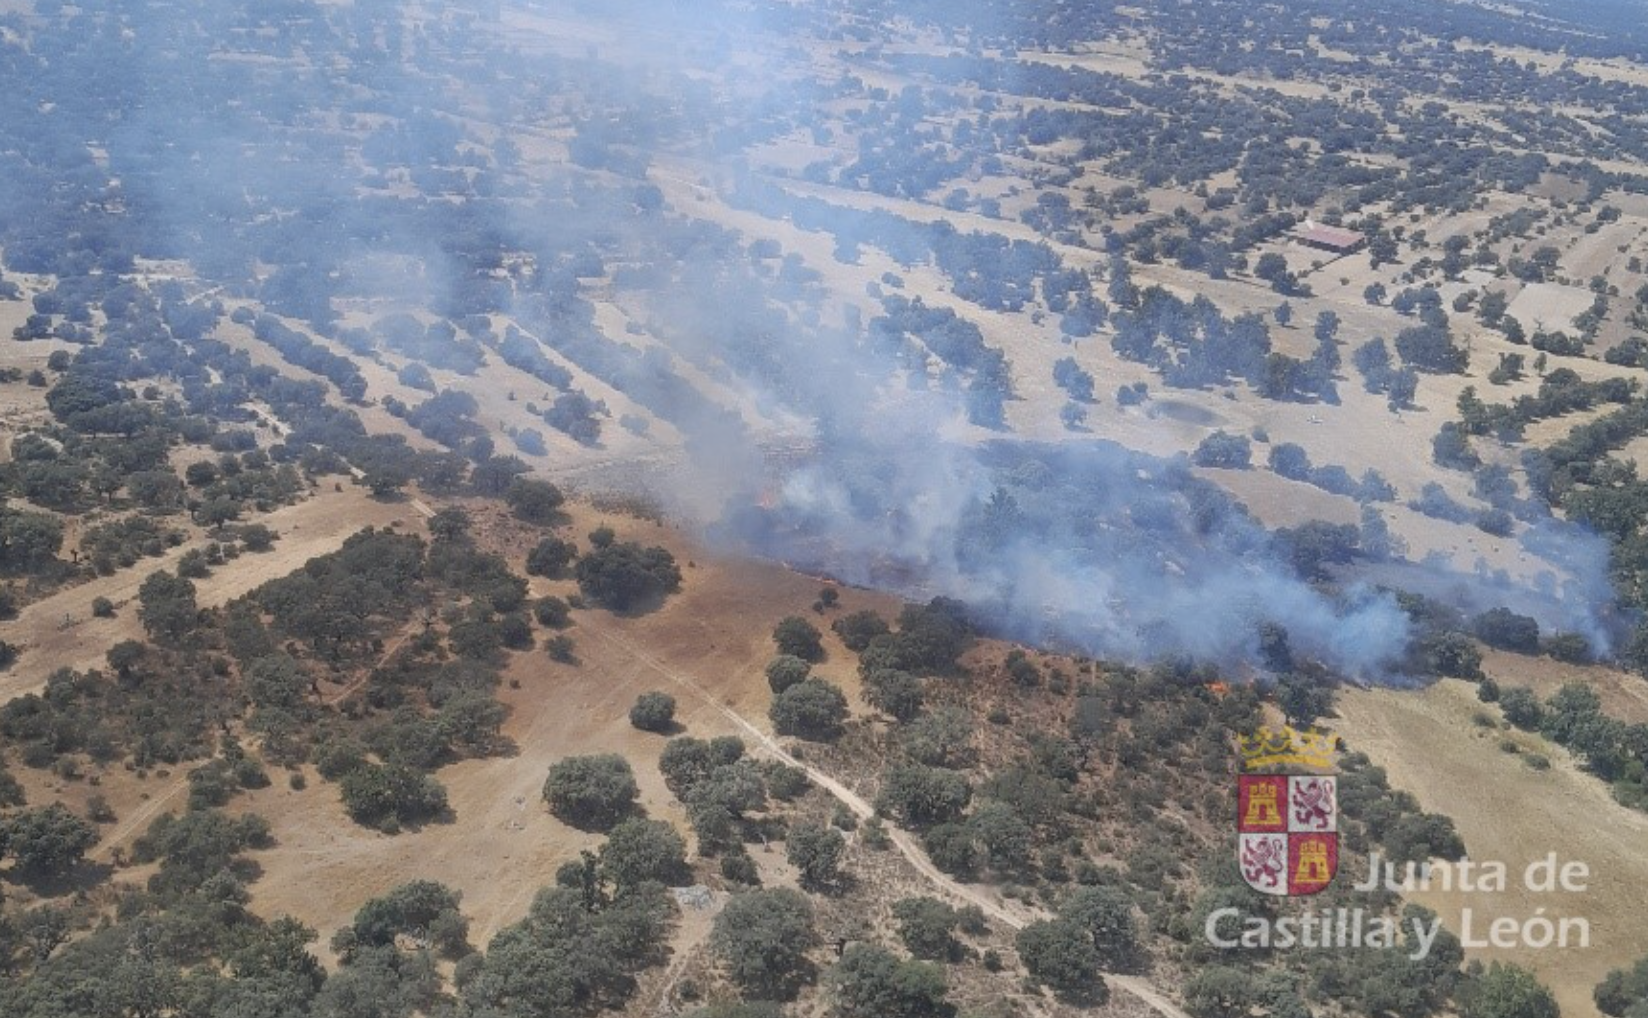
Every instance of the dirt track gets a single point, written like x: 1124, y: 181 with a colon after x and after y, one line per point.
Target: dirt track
x: 1016, y: 917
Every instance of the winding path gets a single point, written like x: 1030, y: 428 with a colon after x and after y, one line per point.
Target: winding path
x: 1014, y: 917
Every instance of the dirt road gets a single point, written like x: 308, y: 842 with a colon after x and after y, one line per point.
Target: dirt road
x: 1012, y: 915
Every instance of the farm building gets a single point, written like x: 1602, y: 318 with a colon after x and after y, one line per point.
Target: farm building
x: 1331, y: 238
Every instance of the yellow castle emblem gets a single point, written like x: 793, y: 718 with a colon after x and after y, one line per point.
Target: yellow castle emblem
x: 1262, y: 809
x: 1313, y: 864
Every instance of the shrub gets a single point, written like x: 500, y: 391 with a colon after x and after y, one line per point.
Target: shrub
x: 740, y: 868
x: 1221, y: 449
x: 1521, y: 707
x: 46, y: 842
x: 799, y: 638
x: 560, y: 648
x: 786, y: 670
x: 653, y: 712
x: 762, y: 937
x: 550, y: 557
x: 591, y: 792
x: 639, y: 850
x: 391, y: 795
x: 622, y: 576
x: 870, y: 982
x: 927, y: 928
x: 1506, y: 991
x: 552, y: 612
x: 815, y: 851
x: 534, y: 501
x: 1060, y: 954
x: 923, y: 796
x: 859, y: 628
x: 1505, y: 629
x: 812, y: 709
x: 894, y: 692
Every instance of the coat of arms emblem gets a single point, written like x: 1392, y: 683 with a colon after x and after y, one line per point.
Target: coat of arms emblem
x: 1287, y: 841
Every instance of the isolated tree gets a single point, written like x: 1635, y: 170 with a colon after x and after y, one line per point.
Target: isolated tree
x: 1220, y: 449
x: 1290, y: 461
x: 797, y: 637
x: 639, y: 850
x: 813, y: 709
x: 1075, y: 380
x: 592, y: 793
x: 762, y: 937
x: 46, y: 842
x: 653, y: 712
x: 1402, y: 386
x: 870, y: 982
x: 1271, y: 267
x: 815, y: 851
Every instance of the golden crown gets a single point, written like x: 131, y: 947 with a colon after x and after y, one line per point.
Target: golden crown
x: 1271, y: 746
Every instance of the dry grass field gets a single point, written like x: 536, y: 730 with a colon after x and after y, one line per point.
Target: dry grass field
x: 1509, y: 812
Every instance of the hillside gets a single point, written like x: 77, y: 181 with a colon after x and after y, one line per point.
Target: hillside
x: 498, y: 496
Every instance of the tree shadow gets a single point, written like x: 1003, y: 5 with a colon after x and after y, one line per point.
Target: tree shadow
x: 79, y: 880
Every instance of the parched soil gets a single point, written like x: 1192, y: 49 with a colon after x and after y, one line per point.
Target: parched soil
x: 61, y: 632
x: 503, y: 845
x: 1508, y: 812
